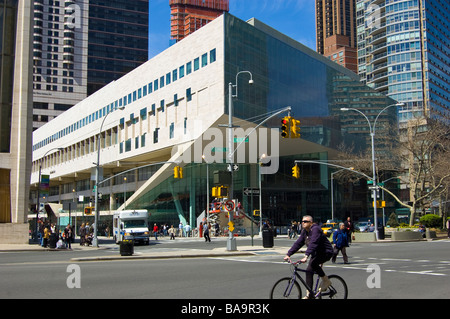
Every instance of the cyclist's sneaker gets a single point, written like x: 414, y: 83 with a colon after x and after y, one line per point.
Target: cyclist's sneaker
x: 325, y: 284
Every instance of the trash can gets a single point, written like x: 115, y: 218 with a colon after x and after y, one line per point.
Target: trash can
x: 52, y: 241
x: 381, y: 234
x: 267, y: 235
x: 127, y: 247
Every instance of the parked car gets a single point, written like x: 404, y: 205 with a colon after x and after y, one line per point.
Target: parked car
x: 362, y: 226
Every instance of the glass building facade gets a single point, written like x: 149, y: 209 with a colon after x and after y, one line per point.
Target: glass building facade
x: 285, y: 73
x: 403, y: 52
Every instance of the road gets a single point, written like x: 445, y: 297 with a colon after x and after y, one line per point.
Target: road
x: 406, y: 270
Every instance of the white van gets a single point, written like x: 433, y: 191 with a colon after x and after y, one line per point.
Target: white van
x: 131, y: 223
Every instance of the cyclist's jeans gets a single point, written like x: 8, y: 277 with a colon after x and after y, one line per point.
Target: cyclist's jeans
x: 314, y: 266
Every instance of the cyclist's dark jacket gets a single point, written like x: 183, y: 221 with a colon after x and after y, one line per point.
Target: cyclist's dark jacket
x: 315, y: 240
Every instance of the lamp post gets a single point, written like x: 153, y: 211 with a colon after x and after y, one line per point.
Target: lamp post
x: 39, y: 190
x: 231, y: 242
x: 372, y: 138
x: 97, y: 168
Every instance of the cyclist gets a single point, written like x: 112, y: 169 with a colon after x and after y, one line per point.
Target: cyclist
x: 319, y: 251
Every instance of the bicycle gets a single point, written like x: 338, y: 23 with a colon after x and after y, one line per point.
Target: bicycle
x: 289, y: 288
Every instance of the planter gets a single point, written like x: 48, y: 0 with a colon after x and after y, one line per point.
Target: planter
x: 406, y: 235
x: 364, y: 237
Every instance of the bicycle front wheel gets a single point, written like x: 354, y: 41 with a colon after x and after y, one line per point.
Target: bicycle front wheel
x: 286, y: 288
x: 337, y: 290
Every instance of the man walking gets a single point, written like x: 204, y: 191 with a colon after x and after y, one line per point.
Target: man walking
x: 340, y: 241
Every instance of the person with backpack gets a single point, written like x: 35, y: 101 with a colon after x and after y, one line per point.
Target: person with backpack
x: 340, y: 241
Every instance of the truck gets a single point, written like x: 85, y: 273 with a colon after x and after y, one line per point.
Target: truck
x: 131, y: 224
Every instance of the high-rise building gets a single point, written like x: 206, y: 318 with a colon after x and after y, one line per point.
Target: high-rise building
x: 15, y: 119
x: 82, y: 45
x: 59, y: 57
x: 403, y: 52
x: 118, y: 40
x: 336, y: 31
x: 190, y: 15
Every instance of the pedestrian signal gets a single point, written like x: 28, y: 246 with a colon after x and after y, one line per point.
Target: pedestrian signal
x: 88, y: 210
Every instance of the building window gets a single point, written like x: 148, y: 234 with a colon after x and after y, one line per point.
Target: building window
x: 188, y: 68
x: 175, y: 75
x: 188, y: 95
x: 196, y: 64
x: 212, y: 56
x: 182, y: 71
x: 204, y: 60
x: 172, y: 130
x: 175, y: 99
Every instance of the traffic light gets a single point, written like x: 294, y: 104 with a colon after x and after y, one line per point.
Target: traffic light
x: 295, y: 128
x: 88, y: 210
x: 178, y: 172
x: 296, y: 172
x: 285, y: 130
x: 220, y: 192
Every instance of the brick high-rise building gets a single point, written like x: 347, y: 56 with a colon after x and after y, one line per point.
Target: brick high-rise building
x: 190, y: 15
x: 336, y: 31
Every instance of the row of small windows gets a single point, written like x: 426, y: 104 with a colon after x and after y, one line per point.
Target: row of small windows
x: 159, y: 83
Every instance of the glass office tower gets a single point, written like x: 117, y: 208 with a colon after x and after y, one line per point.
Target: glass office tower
x: 118, y: 40
x: 403, y: 52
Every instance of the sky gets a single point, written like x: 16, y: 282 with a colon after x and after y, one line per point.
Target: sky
x: 295, y: 18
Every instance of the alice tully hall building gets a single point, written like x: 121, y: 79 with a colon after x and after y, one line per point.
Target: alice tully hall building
x: 170, y: 111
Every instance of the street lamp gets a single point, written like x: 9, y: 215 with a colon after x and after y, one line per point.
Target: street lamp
x: 231, y: 243
x: 97, y: 168
x: 372, y: 135
x: 39, y: 189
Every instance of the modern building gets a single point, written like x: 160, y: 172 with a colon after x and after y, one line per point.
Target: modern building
x: 171, y: 112
x: 80, y: 46
x: 336, y: 31
x: 15, y: 119
x: 403, y: 52
x: 187, y: 16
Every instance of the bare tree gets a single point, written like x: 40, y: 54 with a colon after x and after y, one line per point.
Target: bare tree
x: 418, y: 155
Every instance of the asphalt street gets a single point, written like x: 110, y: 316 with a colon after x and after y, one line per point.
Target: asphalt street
x: 400, y: 270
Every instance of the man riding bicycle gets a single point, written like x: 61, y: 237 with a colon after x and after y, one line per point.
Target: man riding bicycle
x: 318, y: 252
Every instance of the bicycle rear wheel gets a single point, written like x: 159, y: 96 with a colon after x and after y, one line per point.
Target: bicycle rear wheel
x: 286, y: 289
x: 337, y: 290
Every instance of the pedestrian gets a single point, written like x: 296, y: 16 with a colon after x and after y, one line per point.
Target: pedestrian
x: 187, y: 230
x: 47, y: 233
x: 340, y: 241
x: 155, y: 231
x: 68, y: 235
x: 180, y: 229
x: 171, y: 232
x: 206, y: 232
x: 448, y: 227
x: 349, y: 229
x: 82, y: 234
